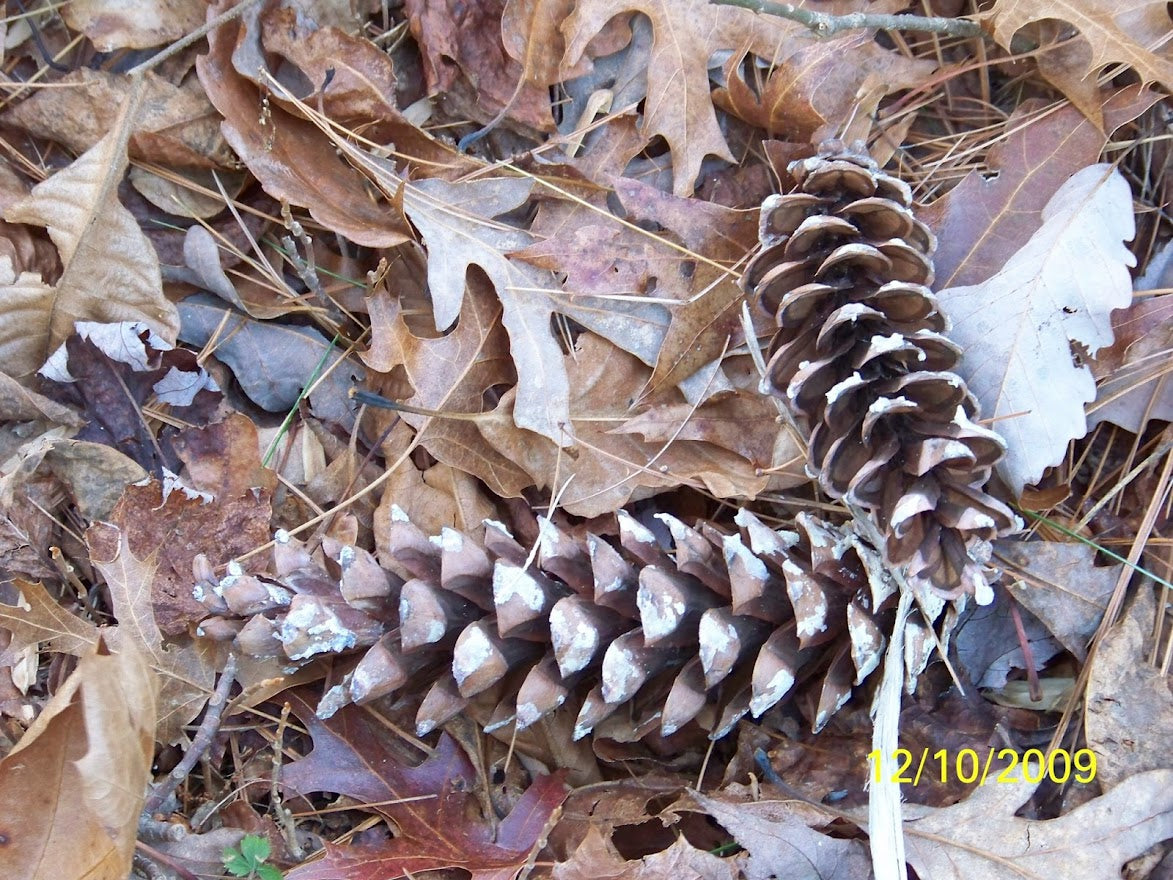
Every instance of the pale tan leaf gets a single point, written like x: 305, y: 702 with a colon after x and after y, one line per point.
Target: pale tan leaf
x: 1017, y: 328
x: 40, y: 619
x: 133, y: 24
x: 1129, y: 705
x: 185, y: 671
x: 111, y: 272
x: 72, y: 788
x: 981, y: 836
x: 1132, y: 32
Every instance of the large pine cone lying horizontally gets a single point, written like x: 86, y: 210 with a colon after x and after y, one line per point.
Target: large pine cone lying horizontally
x: 859, y: 356
x: 637, y: 635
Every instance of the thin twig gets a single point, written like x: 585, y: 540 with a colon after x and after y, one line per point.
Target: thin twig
x: 200, y: 743
x: 824, y: 24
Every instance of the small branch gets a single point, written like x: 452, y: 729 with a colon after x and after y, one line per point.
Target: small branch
x: 200, y: 742
x: 824, y: 25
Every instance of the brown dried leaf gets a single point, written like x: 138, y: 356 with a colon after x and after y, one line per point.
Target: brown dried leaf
x: 288, y: 155
x: 781, y: 842
x: 72, y: 788
x: 98, y: 239
x: 451, y: 373
x: 1017, y: 328
x: 813, y: 88
x: 686, y: 34
x: 430, y: 805
x: 1130, y: 33
x: 40, y: 619
x: 453, y: 36
x: 176, y: 125
x: 597, y: 859
x: 1133, y: 373
x: 606, y: 469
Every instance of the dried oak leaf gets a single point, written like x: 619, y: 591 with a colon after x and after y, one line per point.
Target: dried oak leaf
x: 982, y: 219
x: 1017, y: 328
x: 452, y: 373
x: 779, y: 840
x: 110, y: 270
x: 686, y: 34
x: 597, y: 859
x: 72, y: 787
x: 1061, y: 587
x: 1133, y: 33
x: 813, y: 88
x: 605, y: 469
x: 1129, y: 704
x: 430, y: 806
x: 467, y: 37
x: 981, y: 836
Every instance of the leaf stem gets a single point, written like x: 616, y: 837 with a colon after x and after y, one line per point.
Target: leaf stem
x: 824, y: 25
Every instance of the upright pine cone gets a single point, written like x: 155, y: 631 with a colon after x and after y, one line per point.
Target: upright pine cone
x: 859, y: 355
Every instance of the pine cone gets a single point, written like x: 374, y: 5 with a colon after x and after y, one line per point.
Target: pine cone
x: 860, y: 356
x: 705, y: 626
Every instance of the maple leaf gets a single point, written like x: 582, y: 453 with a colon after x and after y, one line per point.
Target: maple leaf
x: 1016, y: 328
x: 429, y: 805
x: 1130, y: 32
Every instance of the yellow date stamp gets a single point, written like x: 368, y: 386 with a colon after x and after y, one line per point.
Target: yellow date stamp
x: 968, y: 766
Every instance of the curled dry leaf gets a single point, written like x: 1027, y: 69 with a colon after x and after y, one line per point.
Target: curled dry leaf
x: 72, y: 787
x: 1118, y: 33
x: 1018, y: 327
x: 133, y: 24
x: 110, y: 271
x: 176, y: 125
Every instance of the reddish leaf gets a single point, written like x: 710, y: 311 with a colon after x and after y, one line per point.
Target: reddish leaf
x: 440, y: 829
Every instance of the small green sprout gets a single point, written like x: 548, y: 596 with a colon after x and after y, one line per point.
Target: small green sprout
x: 248, y: 859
